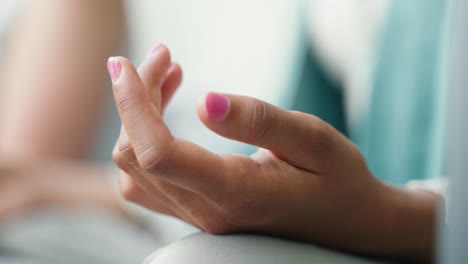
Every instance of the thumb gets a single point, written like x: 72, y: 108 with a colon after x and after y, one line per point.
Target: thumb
x: 303, y: 140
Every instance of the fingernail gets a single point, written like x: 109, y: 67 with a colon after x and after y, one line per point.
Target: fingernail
x: 114, y: 67
x: 155, y: 48
x: 217, y: 106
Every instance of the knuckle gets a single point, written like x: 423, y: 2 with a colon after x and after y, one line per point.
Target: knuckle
x: 123, y: 142
x: 262, y: 119
x: 119, y: 160
x: 125, y: 102
x: 317, y: 136
x: 153, y: 159
x: 123, y: 158
x: 165, y: 56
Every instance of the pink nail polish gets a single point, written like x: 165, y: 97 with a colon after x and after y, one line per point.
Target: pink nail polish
x: 217, y: 106
x: 155, y: 48
x: 114, y: 67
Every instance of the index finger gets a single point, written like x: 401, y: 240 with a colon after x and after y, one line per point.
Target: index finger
x: 157, y: 152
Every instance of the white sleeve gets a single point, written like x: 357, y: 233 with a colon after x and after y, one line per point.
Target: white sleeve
x: 438, y: 186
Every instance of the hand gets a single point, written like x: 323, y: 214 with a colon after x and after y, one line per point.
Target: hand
x: 307, y: 181
x: 28, y: 186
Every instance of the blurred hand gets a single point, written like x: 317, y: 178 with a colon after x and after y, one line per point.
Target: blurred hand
x: 307, y: 181
x: 55, y: 183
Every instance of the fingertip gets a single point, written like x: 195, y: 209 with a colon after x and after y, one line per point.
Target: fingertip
x: 119, y: 66
x: 172, y: 82
x: 114, y: 67
x: 216, y: 106
x: 154, y: 72
x: 173, y: 78
x: 162, y: 53
x: 176, y: 70
x: 213, y: 108
x: 155, y: 48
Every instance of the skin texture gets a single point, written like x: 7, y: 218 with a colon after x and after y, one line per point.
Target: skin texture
x: 306, y: 182
x: 52, y: 93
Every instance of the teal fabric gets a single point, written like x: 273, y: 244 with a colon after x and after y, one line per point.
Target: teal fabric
x: 318, y: 94
x: 401, y: 136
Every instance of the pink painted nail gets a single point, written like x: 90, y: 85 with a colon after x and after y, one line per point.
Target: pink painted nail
x: 217, y: 106
x: 155, y: 48
x: 114, y: 67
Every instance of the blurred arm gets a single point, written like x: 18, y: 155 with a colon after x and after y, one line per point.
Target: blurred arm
x: 53, y: 83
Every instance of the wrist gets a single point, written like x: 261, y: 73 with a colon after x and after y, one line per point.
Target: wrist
x: 408, y: 223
